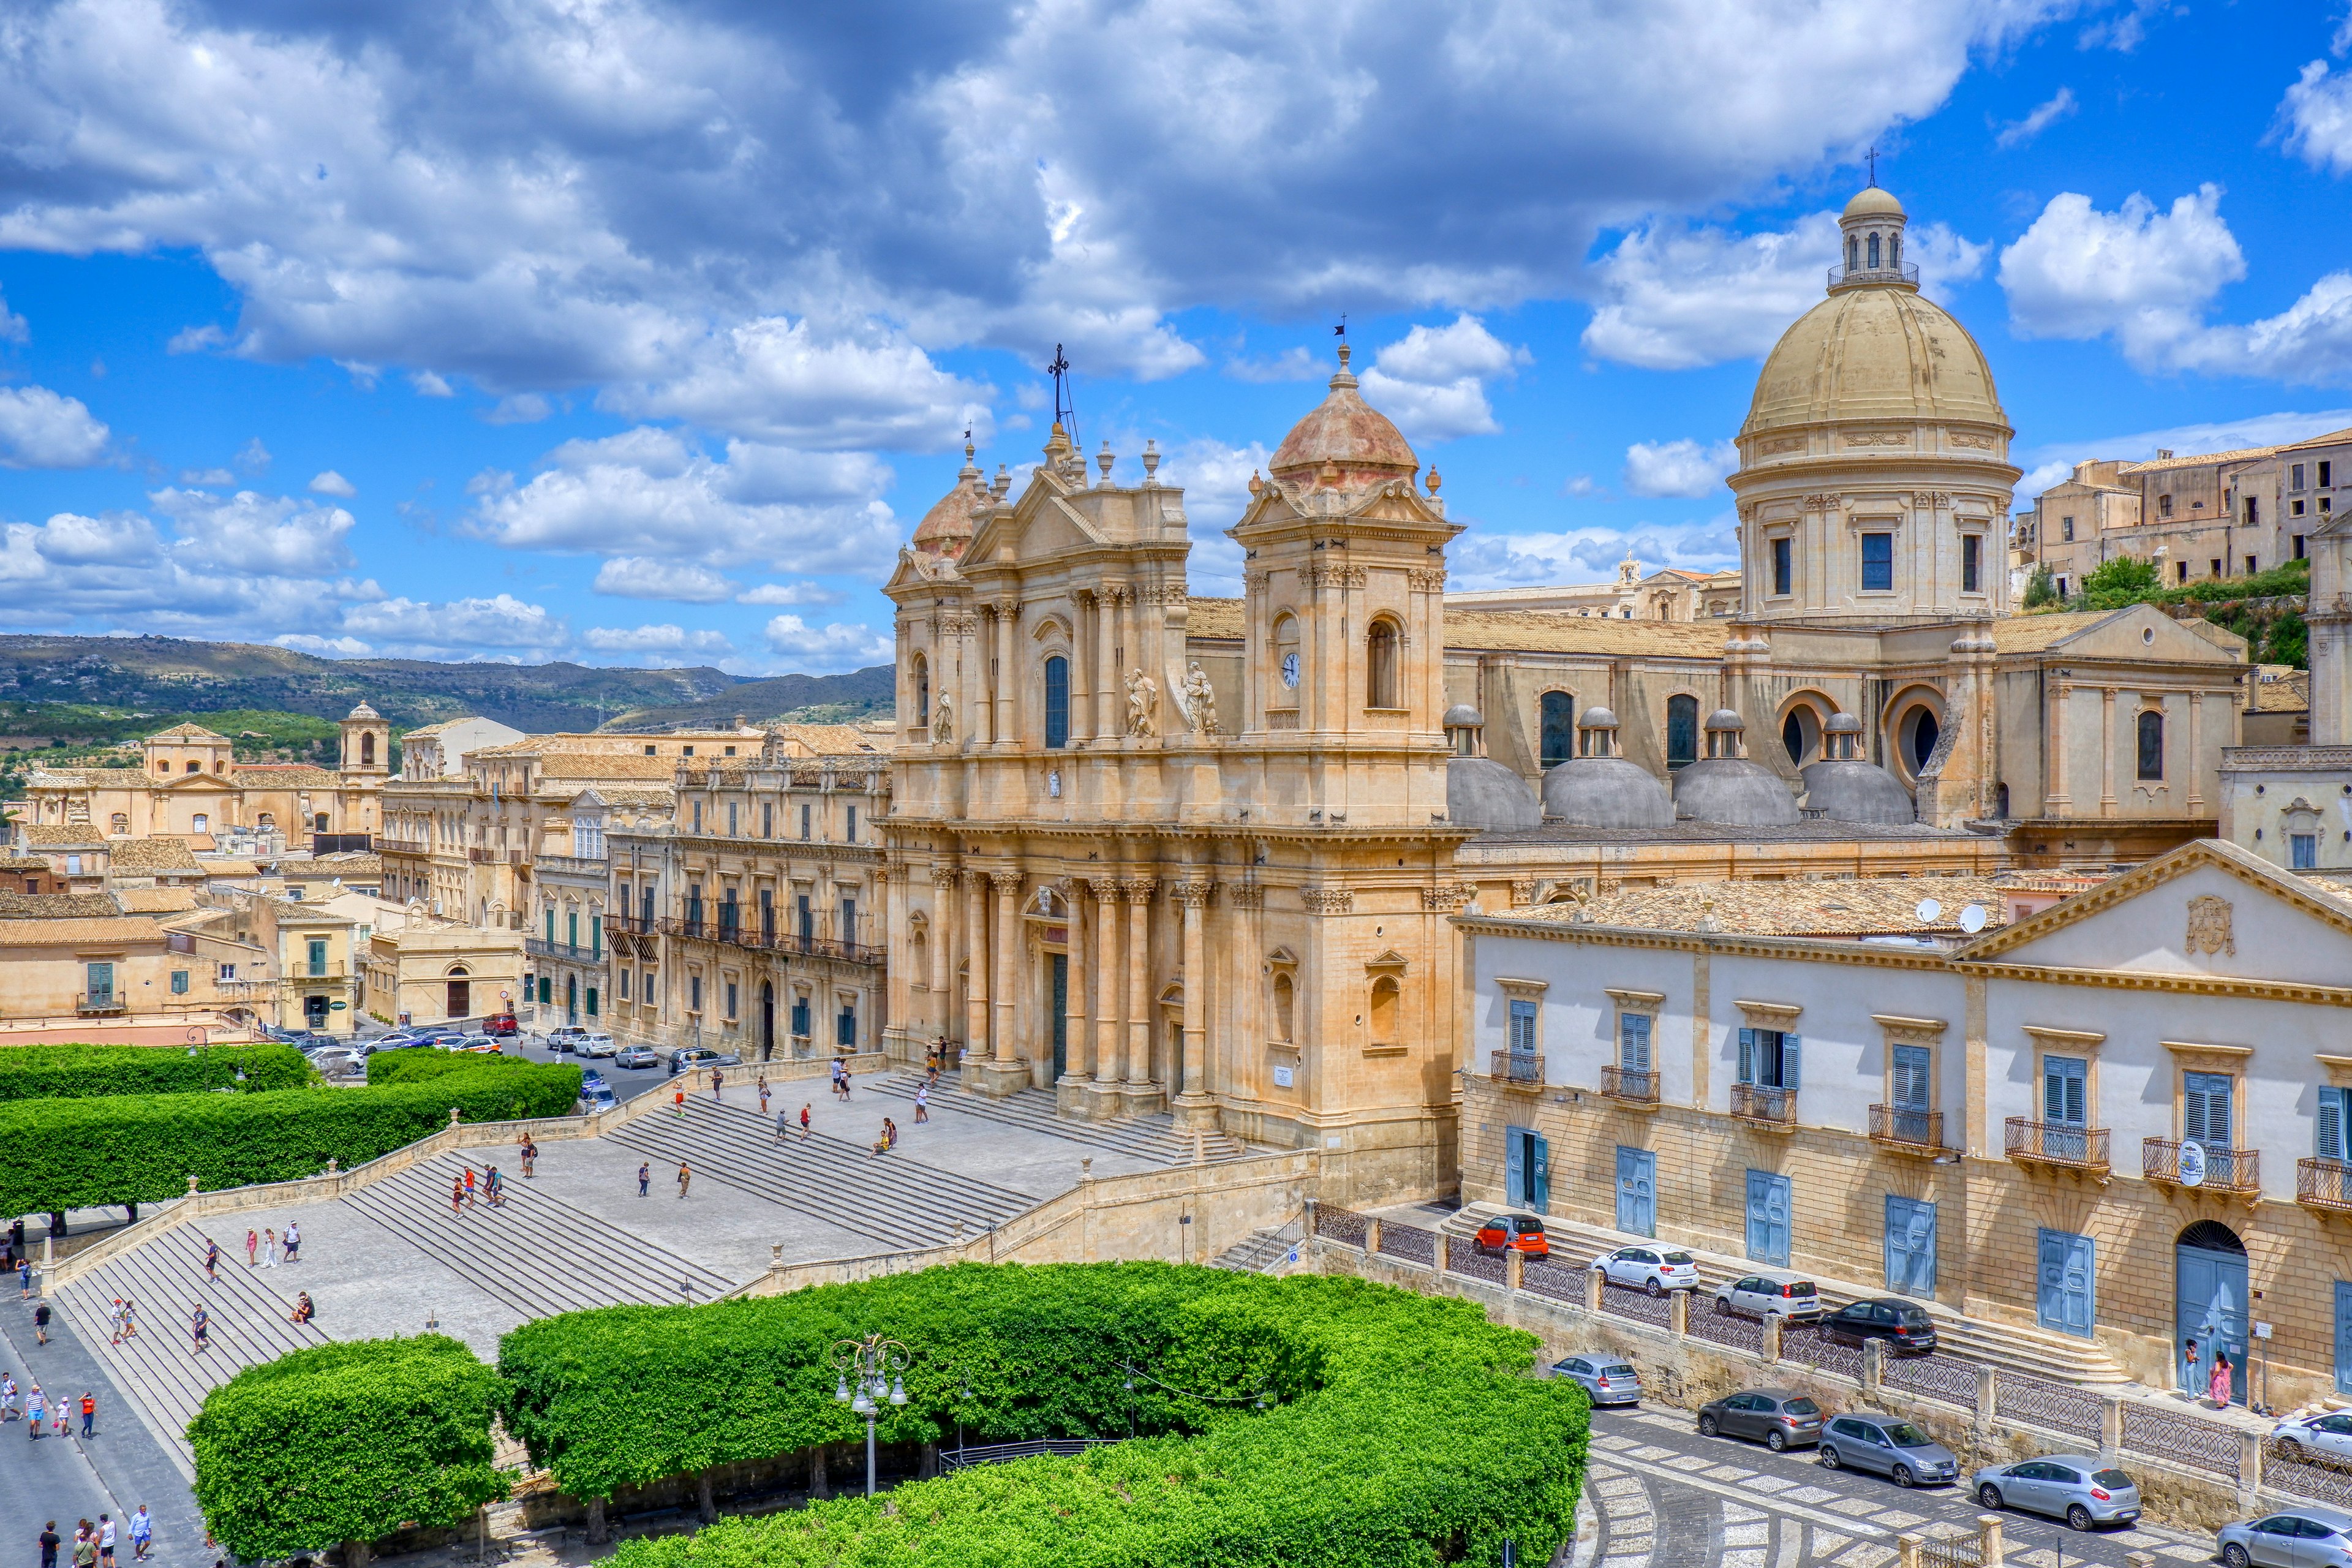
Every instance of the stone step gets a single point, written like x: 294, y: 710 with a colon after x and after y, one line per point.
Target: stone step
x: 1262, y: 1253
x: 2061, y: 1358
x: 897, y: 1201
x: 1155, y: 1138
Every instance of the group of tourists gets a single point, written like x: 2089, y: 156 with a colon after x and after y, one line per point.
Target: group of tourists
x: 93, y: 1544
x: 34, y: 1407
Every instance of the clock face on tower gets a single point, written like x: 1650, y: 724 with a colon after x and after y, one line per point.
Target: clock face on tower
x: 1290, y: 669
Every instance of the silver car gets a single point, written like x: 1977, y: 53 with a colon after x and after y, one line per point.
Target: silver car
x: 2329, y: 1433
x: 1769, y: 1296
x: 1888, y: 1445
x: 1608, y: 1378
x: 2308, y: 1535
x: 2076, y: 1488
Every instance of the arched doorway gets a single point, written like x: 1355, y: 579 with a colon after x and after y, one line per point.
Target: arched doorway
x: 571, y: 999
x: 461, y: 993
x: 2209, y: 1301
x: 766, y: 1020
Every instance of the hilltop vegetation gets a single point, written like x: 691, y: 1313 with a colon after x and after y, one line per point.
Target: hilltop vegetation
x: 2266, y: 608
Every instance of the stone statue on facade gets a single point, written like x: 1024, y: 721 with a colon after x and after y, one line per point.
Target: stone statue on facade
x: 1142, y: 701
x: 942, y: 719
x: 1201, y: 701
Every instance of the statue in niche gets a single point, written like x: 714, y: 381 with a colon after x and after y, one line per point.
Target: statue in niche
x: 942, y: 717
x: 1142, y: 700
x: 1201, y: 701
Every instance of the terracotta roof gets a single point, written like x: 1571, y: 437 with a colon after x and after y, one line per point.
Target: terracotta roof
x: 1213, y: 618
x: 65, y: 778
x: 631, y: 797
x: 150, y: 858
x: 58, y: 906
x: 2237, y: 454
x: 948, y: 527
x: 824, y: 739
x: 63, y: 835
x: 1523, y: 631
x: 23, y: 863
x: 2333, y: 438
x: 2028, y: 634
x: 155, y: 901
x: 284, y: 773
x: 1348, y: 435
x: 187, y: 732
x: 230, y: 869
x: 595, y: 765
x: 2282, y: 689
x: 353, y: 863
x: 1840, y: 907
x: 130, y: 930
x: 427, y: 732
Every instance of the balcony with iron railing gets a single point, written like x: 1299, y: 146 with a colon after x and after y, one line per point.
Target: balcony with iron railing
x: 2237, y: 1172
x: 572, y: 865
x: 1516, y: 1069
x: 1630, y: 1086
x: 1904, y: 273
x: 2056, y: 1145
x: 1764, y: 1105
x: 1907, y: 1131
x: 101, y: 1003
x: 753, y: 939
x: 2323, y: 1185
x: 577, y: 951
x: 306, y: 973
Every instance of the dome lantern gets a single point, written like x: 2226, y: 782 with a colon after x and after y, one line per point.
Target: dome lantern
x: 1872, y: 227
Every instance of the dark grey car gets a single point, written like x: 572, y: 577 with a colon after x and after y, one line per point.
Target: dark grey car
x: 1778, y: 1417
x: 1889, y: 1446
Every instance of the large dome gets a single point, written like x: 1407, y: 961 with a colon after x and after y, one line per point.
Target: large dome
x: 947, y: 527
x: 1349, y: 434
x: 1606, y: 791
x: 1878, y: 352
x: 1483, y: 793
x: 1734, y: 790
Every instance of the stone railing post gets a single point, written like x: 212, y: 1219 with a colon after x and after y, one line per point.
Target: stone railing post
x: 1592, y: 1290
x: 1372, y: 1235
x: 334, y: 1166
x: 1515, y: 1268
x: 775, y: 1257
x: 1988, y: 1386
x: 1442, y: 1252
x: 2111, y: 1426
x: 1306, y: 1222
x: 1771, y: 1337
x: 452, y: 1116
x: 1678, y: 1312
x: 1873, y: 1366
x: 1907, y: 1552
x: 2250, y: 1466
x: 192, y: 1186
x: 1989, y: 1546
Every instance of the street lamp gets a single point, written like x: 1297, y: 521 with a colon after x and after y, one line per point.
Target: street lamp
x: 874, y: 1363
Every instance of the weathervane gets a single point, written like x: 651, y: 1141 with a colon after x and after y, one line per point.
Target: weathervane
x: 1066, y: 413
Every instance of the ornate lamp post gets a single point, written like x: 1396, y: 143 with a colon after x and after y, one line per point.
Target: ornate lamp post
x: 873, y: 1365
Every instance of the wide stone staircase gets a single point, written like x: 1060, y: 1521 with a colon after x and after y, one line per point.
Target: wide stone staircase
x: 165, y: 1280
x: 535, y: 1253
x: 1153, y: 1138
x: 2061, y: 1358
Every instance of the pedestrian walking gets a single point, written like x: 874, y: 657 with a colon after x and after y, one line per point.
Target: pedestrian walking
x: 496, y: 1188
x: 469, y: 1186
x: 252, y: 1244
x: 685, y: 1178
x: 717, y: 1077
x: 85, y: 1550
x: 88, y: 1417
x: 805, y: 1121
x: 783, y: 1122
x: 51, y: 1541
x: 2221, y: 1385
x: 143, y: 1534
x: 530, y: 1156
x: 679, y: 1101
x: 457, y: 1197
x: 922, y: 1103
x: 212, y: 1258
x: 61, y: 1415
x: 105, y: 1521
x: 763, y: 1094
x: 8, y: 1397
x: 130, y: 1318
x: 36, y: 1410
x: 269, y: 1247
x: 293, y: 1237
x: 41, y: 1323
x: 114, y: 1318
x: 200, y: 1330
x: 644, y: 1177
x: 25, y: 1278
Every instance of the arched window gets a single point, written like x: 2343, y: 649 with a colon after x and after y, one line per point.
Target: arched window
x: 1380, y: 665
x: 1057, y: 702
x: 1559, y: 710
x: 1284, y: 995
x: 923, y: 692
x: 1682, y: 731
x: 367, y: 749
x: 1873, y: 253
x: 1894, y: 250
x: 196, y: 767
x: 122, y: 823
x: 1853, y: 252
x: 266, y: 822
x: 1387, y: 996
x: 1920, y: 732
x: 2151, y: 745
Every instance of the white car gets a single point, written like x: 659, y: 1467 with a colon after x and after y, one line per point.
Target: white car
x: 2324, y: 1432
x: 1656, y: 1269
x: 1769, y: 1296
x: 596, y: 1045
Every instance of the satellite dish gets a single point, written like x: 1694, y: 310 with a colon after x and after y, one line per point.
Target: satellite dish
x: 1927, y: 911
x: 1972, y: 919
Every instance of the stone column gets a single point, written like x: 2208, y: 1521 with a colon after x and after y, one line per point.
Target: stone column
x: 1102, y: 1099
x: 1106, y: 706
x: 1194, y: 1107
x: 1007, y: 728
x: 2106, y: 750
x: 1086, y: 615
x: 1076, y: 1025
x: 975, y: 970
x: 2195, y: 766
x: 942, y: 948
x: 2055, y: 802
x: 1004, y: 1072
x: 1139, y: 1090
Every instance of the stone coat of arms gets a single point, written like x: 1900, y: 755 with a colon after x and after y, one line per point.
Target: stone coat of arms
x: 2209, y: 927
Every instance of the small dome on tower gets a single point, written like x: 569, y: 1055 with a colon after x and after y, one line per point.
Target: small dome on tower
x: 362, y: 711
x: 947, y: 527
x: 1873, y: 201
x: 1462, y: 716
x: 1344, y: 442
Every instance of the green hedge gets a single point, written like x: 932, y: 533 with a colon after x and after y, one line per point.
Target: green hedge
x: 1406, y: 1432
x: 143, y: 1148
x: 79, y: 1072
x: 345, y: 1443
x: 415, y: 1064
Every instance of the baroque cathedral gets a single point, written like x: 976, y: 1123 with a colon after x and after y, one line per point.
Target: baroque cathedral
x: 1156, y: 851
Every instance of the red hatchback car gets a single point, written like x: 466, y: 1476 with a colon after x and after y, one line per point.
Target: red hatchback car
x: 1515, y: 1233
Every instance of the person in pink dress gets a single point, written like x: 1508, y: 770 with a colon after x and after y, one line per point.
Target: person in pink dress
x: 2221, y: 1385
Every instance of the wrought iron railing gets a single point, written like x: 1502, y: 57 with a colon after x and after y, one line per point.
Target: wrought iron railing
x: 2056, y: 1144
x: 1951, y: 1551
x: 1556, y: 1280
x: 1409, y: 1242
x: 758, y: 941
x: 1516, y: 1069
x: 1938, y: 1377
x: 1806, y: 1343
x: 1758, y: 1102
x: 2162, y: 1434
x: 2306, y: 1474
x: 1343, y: 1226
x: 2324, y: 1184
x: 95, y: 1004
x: 1639, y: 1305
x: 1725, y: 1328
x: 1899, y: 1128
x: 2039, y: 1402
x: 2214, y: 1170
x: 1634, y: 1086
x: 1464, y: 1258
x: 1904, y: 272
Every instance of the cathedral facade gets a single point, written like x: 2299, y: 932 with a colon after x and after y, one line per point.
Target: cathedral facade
x: 1160, y: 851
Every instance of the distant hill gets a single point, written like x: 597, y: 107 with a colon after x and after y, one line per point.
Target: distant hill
x: 169, y: 675
x: 806, y: 699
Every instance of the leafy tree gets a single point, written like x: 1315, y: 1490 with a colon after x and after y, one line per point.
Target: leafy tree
x: 2114, y: 583
x: 2041, y: 588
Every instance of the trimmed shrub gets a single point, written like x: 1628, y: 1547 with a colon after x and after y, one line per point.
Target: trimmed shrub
x: 81, y: 1072
x: 143, y: 1148
x: 1406, y: 1429
x: 346, y: 1443
x: 415, y: 1064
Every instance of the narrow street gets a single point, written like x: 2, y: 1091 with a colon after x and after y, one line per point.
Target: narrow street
x: 1668, y: 1498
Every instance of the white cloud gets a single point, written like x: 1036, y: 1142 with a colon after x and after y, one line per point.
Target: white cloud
x: 1673, y: 296
x: 2053, y: 461
x: 2143, y: 275
x: 1579, y: 486
x: 429, y: 384
x: 519, y: 409
x: 649, y: 492
x: 1681, y: 468
x: 330, y: 483
x: 1291, y: 364
x: 1433, y: 381
x: 1216, y: 479
x: 270, y: 536
x: 325, y: 648
x: 44, y: 429
x: 13, y: 328
x: 2041, y: 117
x: 216, y: 477
x: 500, y: 628
x: 656, y: 640
x: 1489, y: 558
x: 643, y: 577
x: 820, y: 651
x: 805, y: 595
x: 253, y: 457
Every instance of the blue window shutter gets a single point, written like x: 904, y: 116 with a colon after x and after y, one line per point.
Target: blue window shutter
x: 2328, y: 1144
x: 1788, y: 1058
x: 1748, y: 1056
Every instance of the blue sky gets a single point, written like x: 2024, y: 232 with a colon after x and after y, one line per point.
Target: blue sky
x: 636, y: 332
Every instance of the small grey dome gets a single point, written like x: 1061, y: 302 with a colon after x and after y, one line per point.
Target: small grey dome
x: 1736, y: 791
x: 1606, y: 791
x: 1597, y: 719
x: 1851, y: 790
x: 1482, y: 793
x: 1843, y: 724
x: 1726, y: 718
x: 1462, y: 716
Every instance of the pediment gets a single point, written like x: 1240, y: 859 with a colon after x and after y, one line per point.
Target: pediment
x: 199, y: 783
x: 2144, y: 632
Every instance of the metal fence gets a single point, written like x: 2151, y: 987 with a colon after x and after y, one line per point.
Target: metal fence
x: 1642, y: 1308
x: 1726, y: 1328
x: 1803, y: 1342
x: 1554, y: 1280
x: 2304, y: 1476
x: 1409, y: 1242
x: 1464, y: 1259
x: 1954, y: 1552
x: 2042, y: 1402
x: 998, y: 1453
x: 1345, y: 1225
x: 2162, y: 1434
x: 1938, y: 1377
